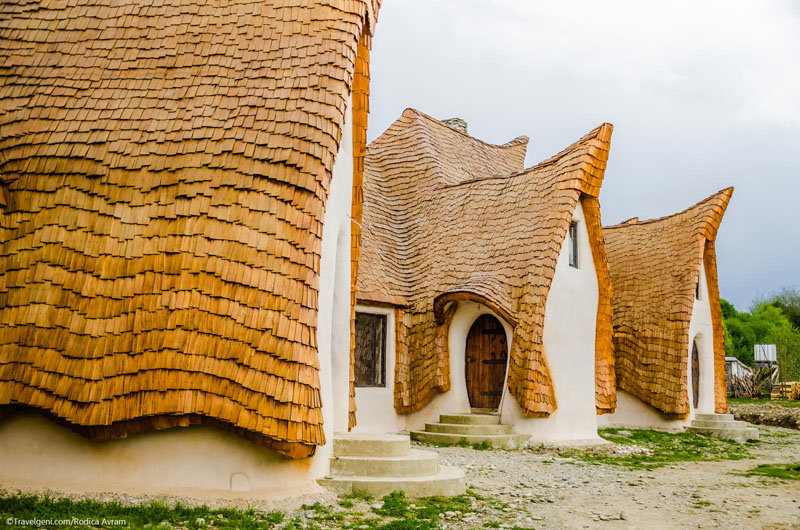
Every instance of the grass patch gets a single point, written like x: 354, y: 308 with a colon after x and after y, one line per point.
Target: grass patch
x: 661, y: 448
x: 154, y: 514
x: 359, y: 495
x: 428, y: 508
x: 780, y: 471
x: 482, y: 446
x: 756, y: 401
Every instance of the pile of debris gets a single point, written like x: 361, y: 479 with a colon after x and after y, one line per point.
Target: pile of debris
x: 767, y: 414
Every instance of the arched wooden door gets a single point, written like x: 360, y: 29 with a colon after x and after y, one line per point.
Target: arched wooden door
x: 695, y: 375
x: 486, y: 358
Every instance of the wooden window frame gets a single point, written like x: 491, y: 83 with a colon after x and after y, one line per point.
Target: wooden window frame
x: 572, y: 240
x: 380, y: 372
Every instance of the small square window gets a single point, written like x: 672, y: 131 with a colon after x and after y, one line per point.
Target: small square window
x: 573, y: 244
x: 370, y: 351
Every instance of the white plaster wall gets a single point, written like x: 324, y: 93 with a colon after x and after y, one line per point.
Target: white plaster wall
x: 701, y: 330
x: 201, y: 462
x: 333, y: 325
x: 569, y: 346
x: 206, y: 463
x: 375, y: 406
x: 633, y: 412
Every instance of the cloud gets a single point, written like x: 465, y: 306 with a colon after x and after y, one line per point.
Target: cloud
x: 702, y: 95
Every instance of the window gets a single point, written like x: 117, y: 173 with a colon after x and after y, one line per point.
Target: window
x: 573, y: 244
x: 697, y: 290
x: 370, y: 352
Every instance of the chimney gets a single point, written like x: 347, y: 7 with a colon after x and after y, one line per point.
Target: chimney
x: 457, y: 124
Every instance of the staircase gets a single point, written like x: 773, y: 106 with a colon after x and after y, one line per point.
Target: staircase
x: 723, y: 426
x: 378, y: 464
x: 478, y: 427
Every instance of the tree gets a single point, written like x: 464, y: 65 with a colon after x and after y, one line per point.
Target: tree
x: 766, y: 323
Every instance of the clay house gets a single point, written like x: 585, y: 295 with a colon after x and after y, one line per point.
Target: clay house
x: 177, y: 181
x: 482, y: 285
x: 668, y: 335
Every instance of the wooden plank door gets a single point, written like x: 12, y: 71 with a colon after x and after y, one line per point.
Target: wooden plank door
x: 695, y: 375
x: 486, y: 359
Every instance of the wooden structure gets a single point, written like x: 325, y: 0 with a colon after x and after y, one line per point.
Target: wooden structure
x: 164, y: 170
x: 449, y: 218
x: 655, y: 270
x: 486, y: 360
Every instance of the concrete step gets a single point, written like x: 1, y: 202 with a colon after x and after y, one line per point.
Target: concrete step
x: 476, y: 410
x: 714, y: 417
x: 497, y: 441
x: 417, y: 463
x: 461, y: 428
x: 448, y: 482
x: 720, y: 424
x: 381, y: 445
x: 737, y: 434
x: 470, y: 419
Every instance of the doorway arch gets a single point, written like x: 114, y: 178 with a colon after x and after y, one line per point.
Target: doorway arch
x: 486, y: 357
x: 695, y: 375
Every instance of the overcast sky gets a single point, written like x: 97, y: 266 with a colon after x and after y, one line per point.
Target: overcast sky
x: 702, y: 95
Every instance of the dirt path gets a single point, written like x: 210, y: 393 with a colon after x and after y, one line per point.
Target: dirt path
x: 553, y: 488
x: 566, y: 493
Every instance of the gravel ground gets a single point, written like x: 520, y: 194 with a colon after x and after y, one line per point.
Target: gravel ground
x: 549, y: 488
x: 564, y: 493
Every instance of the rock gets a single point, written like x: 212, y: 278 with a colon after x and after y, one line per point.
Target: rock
x: 624, y: 433
x: 200, y: 521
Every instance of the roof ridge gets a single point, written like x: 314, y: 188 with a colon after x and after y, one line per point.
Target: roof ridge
x: 519, y: 140
x: 724, y: 194
x: 597, y: 132
x: 602, y: 131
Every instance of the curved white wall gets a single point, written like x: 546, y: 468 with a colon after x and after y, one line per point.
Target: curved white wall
x: 206, y: 463
x: 701, y: 330
x: 199, y: 462
x: 633, y: 412
x: 569, y: 346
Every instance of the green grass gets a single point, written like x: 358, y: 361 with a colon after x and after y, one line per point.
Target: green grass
x: 757, y: 401
x: 482, y: 446
x: 26, y: 507
x: 780, y: 471
x: 665, y: 448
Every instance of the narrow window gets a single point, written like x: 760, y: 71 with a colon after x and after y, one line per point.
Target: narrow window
x: 573, y: 244
x: 370, y: 352
x: 697, y: 290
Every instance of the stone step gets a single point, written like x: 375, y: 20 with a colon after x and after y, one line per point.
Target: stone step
x: 448, y: 482
x: 362, y: 444
x: 497, y: 441
x: 739, y: 435
x: 417, y: 463
x: 476, y: 410
x: 470, y: 419
x: 462, y: 428
x: 720, y: 424
x: 714, y: 417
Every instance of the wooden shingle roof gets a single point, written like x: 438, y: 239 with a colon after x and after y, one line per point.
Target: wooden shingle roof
x: 655, y: 267
x: 164, y: 168
x: 448, y: 217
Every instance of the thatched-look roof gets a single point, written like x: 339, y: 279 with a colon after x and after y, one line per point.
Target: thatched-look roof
x: 164, y: 168
x: 655, y: 267
x: 448, y: 217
